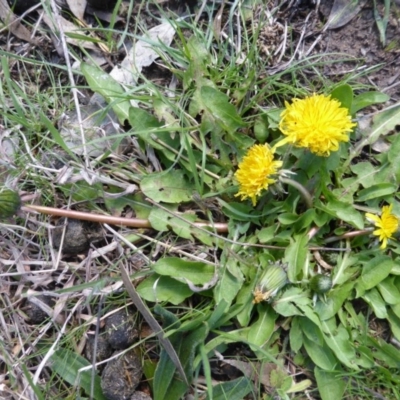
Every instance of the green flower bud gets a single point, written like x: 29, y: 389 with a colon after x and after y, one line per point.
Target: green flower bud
x: 321, y: 283
x: 9, y: 202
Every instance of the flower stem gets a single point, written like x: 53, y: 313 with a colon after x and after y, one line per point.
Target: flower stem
x: 305, y: 194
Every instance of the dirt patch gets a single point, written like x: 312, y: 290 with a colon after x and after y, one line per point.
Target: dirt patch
x: 359, y: 39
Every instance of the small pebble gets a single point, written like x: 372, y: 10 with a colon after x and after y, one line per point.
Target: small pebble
x: 103, y: 348
x: 121, y: 329
x: 35, y: 314
x: 140, y: 396
x: 121, y: 376
x: 78, y: 235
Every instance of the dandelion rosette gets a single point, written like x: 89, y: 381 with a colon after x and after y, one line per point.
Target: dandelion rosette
x: 387, y: 224
x: 255, y: 171
x: 318, y: 123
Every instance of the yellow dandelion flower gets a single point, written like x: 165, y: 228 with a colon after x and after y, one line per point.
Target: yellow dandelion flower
x: 387, y: 223
x: 255, y: 170
x: 318, y: 123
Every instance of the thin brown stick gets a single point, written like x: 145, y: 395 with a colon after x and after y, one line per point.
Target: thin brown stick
x: 109, y: 219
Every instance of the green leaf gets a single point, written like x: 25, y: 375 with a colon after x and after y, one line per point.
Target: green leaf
x: 381, y: 23
x: 35, y: 387
x: 343, y: 211
x: 375, y: 301
x: 187, y: 354
x: 262, y: 329
x: 295, y: 335
x: 337, y: 338
x: 389, y: 291
x: 196, y: 272
x: 394, y: 157
x: 287, y: 303
x: 102, y: 83
x: 199, y: 61
x: 383, y: 351
x: 266, y: 234
x: 320, y: 355
x: 334, y: 301
x: 165, y: 370
x: 384, y: 123
x: 376, y: 191
x: 245, y: 297
x: 67, y: 364
x: 142, y: 120
x: 236, y: 389
x: 374, y: 272
x: 394, y: 322
x: 163, y: 288
x: 55, y: 134
x: 229, y: 283
x: 162, y: 220
x: 167, y: 386
x: 344, y: 94
x: 288, y: 218
x: 365, y: 173
x: 219, y: 109
x: 216, y: 317
x: 312, y: 331
x: 331, y: 385
x: 367, y: 99
x: 83, y: 191
x: 296, y: 256
x: 167, y: 187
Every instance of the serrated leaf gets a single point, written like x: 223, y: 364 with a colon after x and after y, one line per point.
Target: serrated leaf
x: 219, y: 109
x: 383, y: 123
x: 167, y: 187
x: 344, y: 211
x: 376, y: 191
x: 365, y: 173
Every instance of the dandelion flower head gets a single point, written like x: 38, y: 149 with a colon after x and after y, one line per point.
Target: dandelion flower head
x: 387, y: 224
x: 318, y: 123
x: 255, y: 171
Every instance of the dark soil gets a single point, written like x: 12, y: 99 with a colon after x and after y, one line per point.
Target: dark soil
x: 359, y: 39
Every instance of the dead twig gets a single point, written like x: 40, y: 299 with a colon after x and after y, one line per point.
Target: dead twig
x: 109, y: 219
